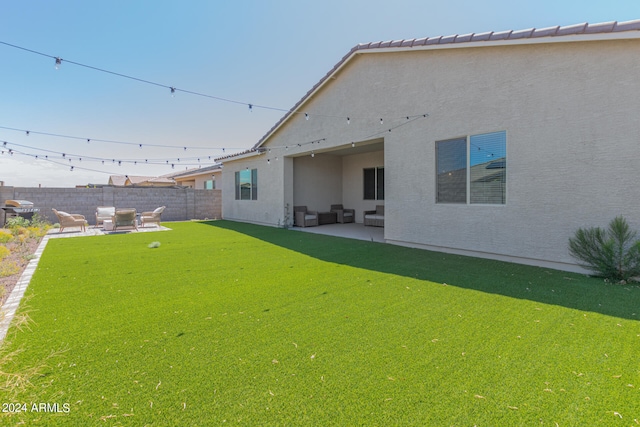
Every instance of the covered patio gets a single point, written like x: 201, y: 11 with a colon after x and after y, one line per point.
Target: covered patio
x: 350, y: 231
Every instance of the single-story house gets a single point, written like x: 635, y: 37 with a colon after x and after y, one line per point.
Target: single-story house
x: 498, y: 145
x: 199, y: 178
x: 141, y: 181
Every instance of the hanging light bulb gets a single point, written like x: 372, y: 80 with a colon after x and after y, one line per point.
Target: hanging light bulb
x: 250, y: 108
x: 306, y: 116
x: 268, y: 161
x: 381, y: 122
x: 58, y: 63
x: 313, y: 154
x: 173, y: 92
x: 27, y: 133
x: 348, y: 121
x: 71, y: 169
x: 353, y: 144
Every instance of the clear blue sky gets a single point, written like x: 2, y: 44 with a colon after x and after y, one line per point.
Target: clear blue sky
x: 267, y: 52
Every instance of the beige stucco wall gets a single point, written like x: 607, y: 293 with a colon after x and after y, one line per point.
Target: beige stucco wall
x: 569, y: 111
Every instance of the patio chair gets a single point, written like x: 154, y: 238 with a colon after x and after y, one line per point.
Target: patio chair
x: 151, y: 217
x: 375, y: 218
x: 344, y: 215
x: 304, y: 217
x: 125, y: 218
x: 104, y: 212
x: 70, y: 220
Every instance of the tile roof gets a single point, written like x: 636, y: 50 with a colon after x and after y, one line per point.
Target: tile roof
x: 452, y: 41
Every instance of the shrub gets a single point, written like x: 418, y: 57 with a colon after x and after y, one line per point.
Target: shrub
x: 4, y: 252
x: 613, y: 253
x: 17, y: 222
x: 8, y: 268
x: 5, y: 236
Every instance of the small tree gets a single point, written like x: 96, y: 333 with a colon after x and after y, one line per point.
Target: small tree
x: 613, y: 253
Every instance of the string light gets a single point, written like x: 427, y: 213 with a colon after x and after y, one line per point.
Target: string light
x: 173, y: 89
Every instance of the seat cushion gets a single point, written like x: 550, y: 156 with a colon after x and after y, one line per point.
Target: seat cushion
x: 61, y: 213
x: 307, y: 216
x: 348, y: 214
x: 158, y: 211
x: 374, y: 216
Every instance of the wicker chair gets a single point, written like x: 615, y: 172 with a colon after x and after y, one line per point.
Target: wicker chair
x: 125, y: 218
x: 70, y: 220
x: 150, y: 217
x: 375, y: 218
x: 304, y: 218
x: 343, y: 215
x: 104, y: 212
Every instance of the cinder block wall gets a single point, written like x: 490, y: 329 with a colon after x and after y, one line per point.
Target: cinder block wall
x: 181, y: 203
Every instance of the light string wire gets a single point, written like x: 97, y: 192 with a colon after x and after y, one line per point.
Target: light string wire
x: 72, y: 168
x: 173, y: 89
x: 409, y: 119
x: 71, y: 156
x: 137, y: 144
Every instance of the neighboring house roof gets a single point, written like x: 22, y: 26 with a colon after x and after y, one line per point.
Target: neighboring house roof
x: 197, y: 171
x: 126, y: 180
x: 577, y: 32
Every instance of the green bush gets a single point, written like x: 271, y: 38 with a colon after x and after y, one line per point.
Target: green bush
x: 17, y: 222
x: 613, y: 253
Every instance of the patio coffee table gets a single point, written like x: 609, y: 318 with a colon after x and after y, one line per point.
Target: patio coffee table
x: 327, y: 218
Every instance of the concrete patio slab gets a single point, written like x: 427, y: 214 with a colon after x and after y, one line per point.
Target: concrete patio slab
x: 349, y: 231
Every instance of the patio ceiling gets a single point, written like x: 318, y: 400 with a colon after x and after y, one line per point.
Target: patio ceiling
x: 348, y: 150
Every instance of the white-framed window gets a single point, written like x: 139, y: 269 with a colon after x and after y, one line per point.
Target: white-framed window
x: 247, y: 184
x: 373, y: 183
x: 472, y: 169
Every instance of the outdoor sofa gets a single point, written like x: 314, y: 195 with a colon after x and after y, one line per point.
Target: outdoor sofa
x: 375, y: 218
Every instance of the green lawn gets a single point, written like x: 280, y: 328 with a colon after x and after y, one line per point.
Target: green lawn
x: 229, y: 323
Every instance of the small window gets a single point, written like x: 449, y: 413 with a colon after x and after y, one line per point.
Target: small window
x: 209, y: 184
x: 374, y: 184
x: 247, y: 184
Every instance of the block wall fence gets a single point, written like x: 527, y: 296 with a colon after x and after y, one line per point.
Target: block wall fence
x: 182, y: 204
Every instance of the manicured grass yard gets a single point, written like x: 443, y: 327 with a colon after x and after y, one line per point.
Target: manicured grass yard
x: 240, y: 324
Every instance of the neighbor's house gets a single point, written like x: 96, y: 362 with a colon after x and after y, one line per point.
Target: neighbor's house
x: 498, y: 144
x: 199, y: 178
x: 141, y: 181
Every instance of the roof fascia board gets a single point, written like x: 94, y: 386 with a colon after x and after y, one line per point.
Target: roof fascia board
x: 509, y: 42
x: 241, y: 156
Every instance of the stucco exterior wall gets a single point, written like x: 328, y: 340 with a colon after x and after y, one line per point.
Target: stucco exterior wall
x: 569, y: 112
x: 353, y: 182
x: 317, y: 181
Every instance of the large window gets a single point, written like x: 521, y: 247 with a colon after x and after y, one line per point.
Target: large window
x: 247, y: 184
x: 374, y: 184
x: 472, y: 170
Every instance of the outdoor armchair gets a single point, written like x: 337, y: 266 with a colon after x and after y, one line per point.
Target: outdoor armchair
x: 104, y: 212
x: 125, y: 218
x: 304, y: 217
x: 375, y: 218
x: 150, y: 217
x: 70, y: 220
x: 343, y: 215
